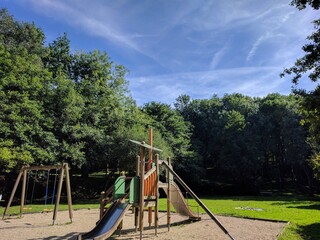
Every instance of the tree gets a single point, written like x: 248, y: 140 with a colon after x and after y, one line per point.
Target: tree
x: 16, y: 36
x: 246, y: 141
x: 310, y: 63
x: 283, y: 139
x: 240, y: 155
x: 57, y: 105
x: 176, y: 132
x: 302, y: 4
x: 25, y: 132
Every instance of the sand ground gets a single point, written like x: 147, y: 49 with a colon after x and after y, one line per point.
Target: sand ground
x: 39, y: 226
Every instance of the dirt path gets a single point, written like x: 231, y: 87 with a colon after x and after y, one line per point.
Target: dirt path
x: 39, y: 226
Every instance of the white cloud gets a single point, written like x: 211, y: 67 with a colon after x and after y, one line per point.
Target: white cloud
x: 255, y: 47
x: 90, y: 20
x: 218, y: 56
x: 248, y: 81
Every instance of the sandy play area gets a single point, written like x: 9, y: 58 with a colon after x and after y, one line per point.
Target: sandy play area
x: 39, y: 226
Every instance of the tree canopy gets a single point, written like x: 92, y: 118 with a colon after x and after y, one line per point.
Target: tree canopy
x: 309, y: 64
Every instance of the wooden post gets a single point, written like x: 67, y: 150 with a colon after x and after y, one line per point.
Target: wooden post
x: 169, y: 196
x: 149, y: 165
x: 142, y: 162
x: 58, y: 196
x: 66, y: 166
x: 12, y: 194
x: 136, y: 209
x: 23, y: 191
x: 156, y: 209
x: 102, y: 196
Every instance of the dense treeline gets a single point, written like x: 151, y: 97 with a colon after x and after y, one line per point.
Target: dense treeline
x: 248, y: 141
x: 62, y: 106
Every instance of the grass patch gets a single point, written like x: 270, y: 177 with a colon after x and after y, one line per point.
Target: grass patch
x: 302, y: 213
x: 36, y: 208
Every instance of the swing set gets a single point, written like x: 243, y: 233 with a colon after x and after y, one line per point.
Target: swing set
x: 26, y: 172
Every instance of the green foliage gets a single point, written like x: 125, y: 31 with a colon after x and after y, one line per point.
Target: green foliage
x: 176, y: 132
x: 282, y: 136
x: 22, y: 123
x: 11, y: 156
x: 301, y: 4
x: 315, y: 162
x: 246, y: 141
x: 16, y: 36
x: 56, y: 105
x: 309, y: 64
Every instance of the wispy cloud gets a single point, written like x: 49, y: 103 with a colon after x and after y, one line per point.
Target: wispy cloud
x: 217, y: 57
x: 91, y: 22
x: 249, y: 81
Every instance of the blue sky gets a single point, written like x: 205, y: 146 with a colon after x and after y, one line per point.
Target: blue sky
x: 174, y: 47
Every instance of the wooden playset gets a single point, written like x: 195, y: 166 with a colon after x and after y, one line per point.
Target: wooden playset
x: 141, y: 193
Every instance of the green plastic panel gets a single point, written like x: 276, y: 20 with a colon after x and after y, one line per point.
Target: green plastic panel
x: 134, y: 195
x: 120, y: 187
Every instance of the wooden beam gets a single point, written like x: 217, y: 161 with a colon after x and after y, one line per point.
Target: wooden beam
x: 12, y: 194
x: 66, y: 166
x: 141, y: 205
x: 169, y: 196
x: 23, y: 191
x: 156, y: 209
x: 55, y: 212
x: 42, y: 167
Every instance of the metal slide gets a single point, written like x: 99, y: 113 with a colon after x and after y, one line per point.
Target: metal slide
x: 108, y: 223
x: 204, y: 207
x: 179, y: 202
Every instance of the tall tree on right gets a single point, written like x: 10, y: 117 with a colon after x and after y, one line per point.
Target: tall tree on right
x: 310, y: 64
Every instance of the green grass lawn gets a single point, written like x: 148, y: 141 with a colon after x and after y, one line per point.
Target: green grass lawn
x: 302, y: 213
x: 34, y: 208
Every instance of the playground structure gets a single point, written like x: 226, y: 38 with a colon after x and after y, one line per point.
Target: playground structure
x: 64, y: 172
x: 143, y: 192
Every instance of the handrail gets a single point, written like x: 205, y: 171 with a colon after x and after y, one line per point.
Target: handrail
x: 152, y: 170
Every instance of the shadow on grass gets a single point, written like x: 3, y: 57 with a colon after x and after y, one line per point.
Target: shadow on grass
x: 278, y: 200
x: 310, y: 232
x: 309, y: 207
